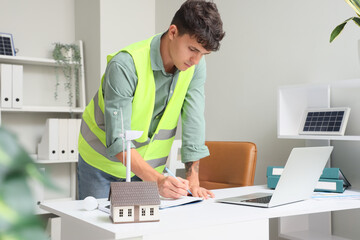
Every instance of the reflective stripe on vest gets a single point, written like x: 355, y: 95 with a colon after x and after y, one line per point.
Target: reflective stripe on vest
x: 92, y: 138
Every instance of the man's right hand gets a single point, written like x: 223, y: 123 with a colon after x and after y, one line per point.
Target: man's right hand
x: 170, y: 187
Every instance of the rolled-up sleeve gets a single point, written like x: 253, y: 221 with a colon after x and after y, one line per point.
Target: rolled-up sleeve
x: 193, y: 119
x: 118, y: 88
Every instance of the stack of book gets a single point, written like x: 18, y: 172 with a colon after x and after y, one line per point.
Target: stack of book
x: 331, y: 180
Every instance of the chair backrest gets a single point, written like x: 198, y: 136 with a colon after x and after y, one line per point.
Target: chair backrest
x: 230, y: 164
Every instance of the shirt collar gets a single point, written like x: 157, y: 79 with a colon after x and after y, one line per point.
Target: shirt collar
x: 155, y: 56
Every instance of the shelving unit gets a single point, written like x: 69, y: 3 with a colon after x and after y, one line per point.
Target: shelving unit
x: 292, y: 102
x: 28, y: 122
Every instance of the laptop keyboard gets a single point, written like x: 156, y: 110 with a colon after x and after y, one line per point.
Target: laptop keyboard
x: 259, y: 200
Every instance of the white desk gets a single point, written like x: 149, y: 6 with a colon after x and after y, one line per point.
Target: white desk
x: 205, y: 220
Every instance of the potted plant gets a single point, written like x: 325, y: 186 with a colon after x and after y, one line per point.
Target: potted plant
x: 355, y: 4
x: 68, y: 58
x: 17, y: 215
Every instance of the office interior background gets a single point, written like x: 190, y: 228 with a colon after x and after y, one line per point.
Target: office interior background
x: 267, y: 44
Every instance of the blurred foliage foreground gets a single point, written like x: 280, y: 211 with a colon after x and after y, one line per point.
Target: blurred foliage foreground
x: 18, y: 220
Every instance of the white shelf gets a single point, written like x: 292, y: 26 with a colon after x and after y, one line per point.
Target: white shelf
x: 308, y: 137
x: 44, y: 161
x: 47, y: 161
x: 29, y: 60
x: 294, y: 100
x: 43, y: 109
x: 292, y: 103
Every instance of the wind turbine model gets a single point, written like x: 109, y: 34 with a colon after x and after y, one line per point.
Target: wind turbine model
x: 128, y: 136
x: 139, y: 196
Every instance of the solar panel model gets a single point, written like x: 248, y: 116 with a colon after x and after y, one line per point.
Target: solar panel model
x: 6, y: 44
x: 324, y: 121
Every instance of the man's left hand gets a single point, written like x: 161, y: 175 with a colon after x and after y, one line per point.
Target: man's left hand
x: 201, y: 192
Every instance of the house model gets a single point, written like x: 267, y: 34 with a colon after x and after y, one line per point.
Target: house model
x: 134, y: 202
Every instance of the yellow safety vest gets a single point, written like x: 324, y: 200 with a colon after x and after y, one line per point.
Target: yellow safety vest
x: 92, y: 137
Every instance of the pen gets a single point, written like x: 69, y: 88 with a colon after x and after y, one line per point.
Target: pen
x: 173, y: 175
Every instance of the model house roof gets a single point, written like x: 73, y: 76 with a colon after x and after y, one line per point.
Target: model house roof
x: 134, y: 193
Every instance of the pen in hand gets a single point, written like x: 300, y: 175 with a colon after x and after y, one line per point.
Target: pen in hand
x: 173, y: 175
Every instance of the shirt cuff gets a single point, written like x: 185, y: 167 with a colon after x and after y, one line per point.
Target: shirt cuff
x: 193, y: 153
x: 116, y: 147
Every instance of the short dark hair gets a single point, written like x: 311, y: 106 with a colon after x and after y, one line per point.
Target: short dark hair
x: 200, y: 19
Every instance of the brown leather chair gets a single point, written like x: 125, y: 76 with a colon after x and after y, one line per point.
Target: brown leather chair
x: 230, y: 164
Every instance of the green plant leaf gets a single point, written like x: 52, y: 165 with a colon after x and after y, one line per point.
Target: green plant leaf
x: 337, y: 31
x: 70, y: 66
x: 356, y: 20
x: 17, y: 214
x: 29, y: 227
x: 16, y: 161
x: 17, y: 195
x: 355, y: 4
x: 34, y: 173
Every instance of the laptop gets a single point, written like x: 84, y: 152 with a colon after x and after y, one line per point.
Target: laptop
x: 297, y: 181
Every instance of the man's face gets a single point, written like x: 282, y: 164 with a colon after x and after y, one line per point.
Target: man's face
x: 185, y: 51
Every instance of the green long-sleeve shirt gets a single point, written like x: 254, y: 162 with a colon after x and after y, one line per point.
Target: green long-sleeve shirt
x: 119, y: 87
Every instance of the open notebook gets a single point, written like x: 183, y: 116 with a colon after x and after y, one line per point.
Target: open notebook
x: 168, y: 202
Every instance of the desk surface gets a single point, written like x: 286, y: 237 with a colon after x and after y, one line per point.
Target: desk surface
x: 200, y: 215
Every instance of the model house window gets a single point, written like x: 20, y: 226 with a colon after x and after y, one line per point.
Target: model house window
x: 121, y: 212
x: 142, y: 211
x: 129, y: 212
x: 151, y: 211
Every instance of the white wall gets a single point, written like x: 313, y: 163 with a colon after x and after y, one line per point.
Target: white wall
x: 106, y: 26
x: 271, y: 43
x: 87, y: 28
x: 37, y: 24
x: 124, y: 22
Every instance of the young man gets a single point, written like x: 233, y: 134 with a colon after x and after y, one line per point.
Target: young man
x: 145, y: 87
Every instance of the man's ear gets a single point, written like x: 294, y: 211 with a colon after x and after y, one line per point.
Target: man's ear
x: 173, y: 31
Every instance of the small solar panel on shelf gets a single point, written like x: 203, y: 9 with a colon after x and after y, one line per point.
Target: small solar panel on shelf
x: 325, y: 121
x: 6, y: 44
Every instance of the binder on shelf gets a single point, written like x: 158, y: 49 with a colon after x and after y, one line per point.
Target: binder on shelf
x: 272, y: 181
x: 333, y: 173
x: 73, y: 135
x: 48, y: 146
x: 323, y: 185
x: 331, y: 185
x: 328, y: 173
x: 6, y: 85
x: 63, y: 139
x: 274, y: 170
x: 331, y: 180
x: 78, y: 125
x: 17, y: 86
